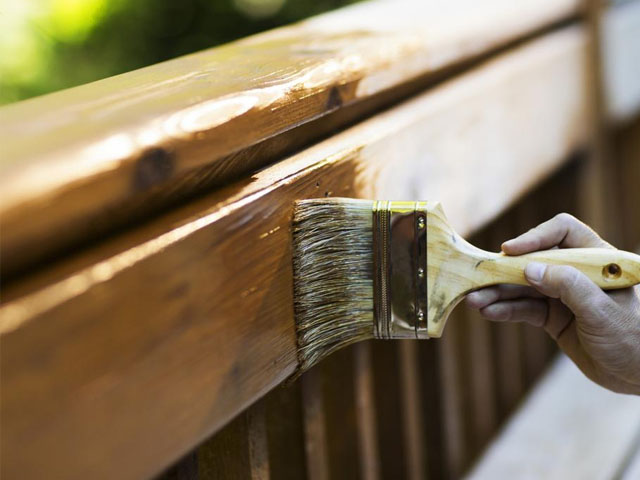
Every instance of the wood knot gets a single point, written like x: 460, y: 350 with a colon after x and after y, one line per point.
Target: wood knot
x: 154, y: 166
x: 335, y: 99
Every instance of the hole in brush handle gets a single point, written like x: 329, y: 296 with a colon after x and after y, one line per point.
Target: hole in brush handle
x: 612, y: 271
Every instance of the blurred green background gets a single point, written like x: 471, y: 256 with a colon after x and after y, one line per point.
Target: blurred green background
x: 48, y: 45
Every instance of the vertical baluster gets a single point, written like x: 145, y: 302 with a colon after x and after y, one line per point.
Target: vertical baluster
x: 285, y: 432
x: 388, y: 400
x: 449, y: 351
x: 257, y: 437
x: 366, y: 413
x: 227, y: 455
x: 314, y: 425
x: 431, y: 379
x: 412, y: 409
x: 339, y: 405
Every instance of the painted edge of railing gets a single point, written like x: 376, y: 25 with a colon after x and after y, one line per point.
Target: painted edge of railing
x: 77, y: 163
x: 141, y: 348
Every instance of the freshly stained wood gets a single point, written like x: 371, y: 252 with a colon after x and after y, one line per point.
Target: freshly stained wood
x: 569, y: 428
x: 140, y: 348
x: 79, y: 163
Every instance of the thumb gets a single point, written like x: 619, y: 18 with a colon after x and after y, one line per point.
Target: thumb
x: 570, y: 285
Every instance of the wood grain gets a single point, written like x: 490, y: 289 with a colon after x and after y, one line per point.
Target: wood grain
x: 180, y: 324
x: 77, y: 163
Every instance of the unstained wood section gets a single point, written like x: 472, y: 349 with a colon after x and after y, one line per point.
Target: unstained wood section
x: 181, y: 324
x: 78, y: 163
x: 621, y: 60
x: 569, y: 428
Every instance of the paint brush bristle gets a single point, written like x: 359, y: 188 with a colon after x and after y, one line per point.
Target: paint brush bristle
x: 333, y: 276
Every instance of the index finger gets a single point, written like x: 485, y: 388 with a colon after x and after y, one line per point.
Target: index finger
x: 563, y: 230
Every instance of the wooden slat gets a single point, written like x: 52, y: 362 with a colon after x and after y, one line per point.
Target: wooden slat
x: 412, y: 410
x: 227, y: 454
x: 284, y: 420
x: 78, y: 163
x: 366, y: 413
x: 431, y: 376
x: 339, y: 404
x: 315, y: 441
x: 451, y: 398
x: 569, y: 428
x: 179, y: 325
x: 389, y: 410
x: 621, y: 52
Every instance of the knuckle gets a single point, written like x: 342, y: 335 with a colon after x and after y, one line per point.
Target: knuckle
x: 565, y: 218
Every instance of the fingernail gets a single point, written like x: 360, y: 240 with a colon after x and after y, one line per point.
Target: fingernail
x: 535, y: 271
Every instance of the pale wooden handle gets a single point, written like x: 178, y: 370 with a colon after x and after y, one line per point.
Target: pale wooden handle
x: 455, y: 267
x: 608, y: 268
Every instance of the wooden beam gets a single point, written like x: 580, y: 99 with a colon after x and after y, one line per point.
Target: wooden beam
x: 182, y: 323
x: 80, y: 163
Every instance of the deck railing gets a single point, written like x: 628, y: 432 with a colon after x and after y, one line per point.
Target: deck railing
x: 146, y: 263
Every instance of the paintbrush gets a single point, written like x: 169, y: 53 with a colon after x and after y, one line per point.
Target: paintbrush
x: 395, y: 270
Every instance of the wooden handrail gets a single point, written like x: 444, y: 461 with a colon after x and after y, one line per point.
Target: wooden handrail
x: 179, y: 325
x: 81, y: 162
x: 136, y: 348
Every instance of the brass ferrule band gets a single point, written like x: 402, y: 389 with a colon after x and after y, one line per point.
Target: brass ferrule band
x: 400, y: 269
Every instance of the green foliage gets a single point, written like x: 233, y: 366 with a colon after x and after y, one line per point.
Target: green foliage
x: 71, y: 42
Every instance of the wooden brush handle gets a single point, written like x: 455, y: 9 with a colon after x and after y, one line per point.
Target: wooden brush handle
x: 455, y: 267
x: 608, y: 268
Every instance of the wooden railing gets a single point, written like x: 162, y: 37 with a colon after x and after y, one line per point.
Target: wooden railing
x: 146, y: 263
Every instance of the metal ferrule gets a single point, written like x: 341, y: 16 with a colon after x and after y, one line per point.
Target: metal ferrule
x: 400, y: 269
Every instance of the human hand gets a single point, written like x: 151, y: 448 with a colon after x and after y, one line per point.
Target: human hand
x: 599, y: 331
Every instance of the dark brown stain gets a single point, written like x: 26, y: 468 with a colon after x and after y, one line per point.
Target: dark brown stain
x: 154, y: 166
x: 335, y: 99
